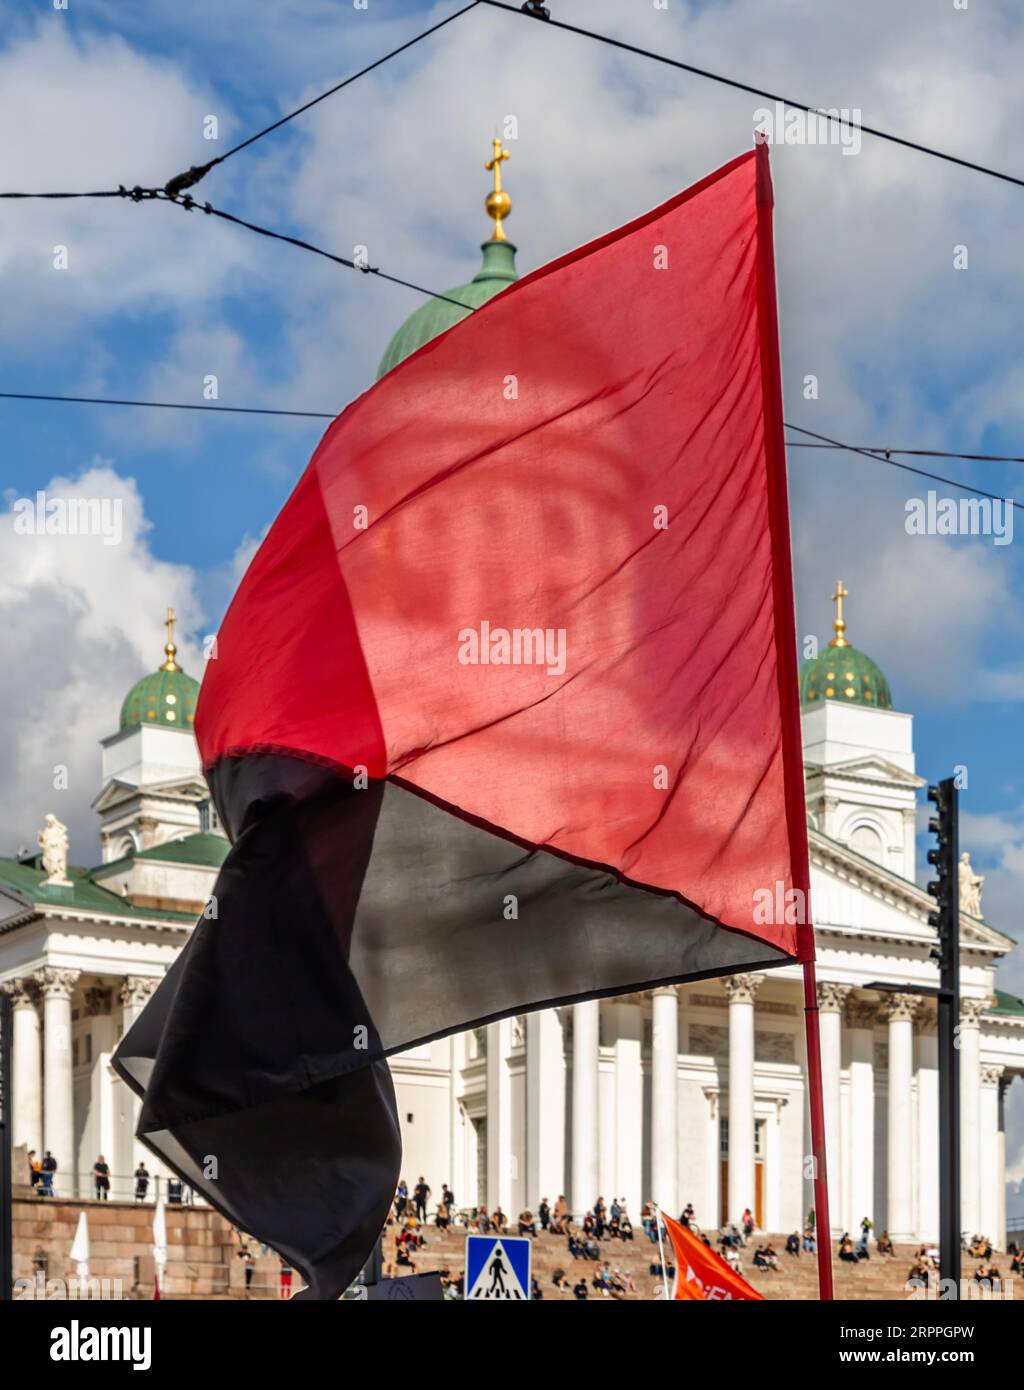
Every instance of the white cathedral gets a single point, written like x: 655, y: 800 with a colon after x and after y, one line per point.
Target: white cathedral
x: 692, y: 1093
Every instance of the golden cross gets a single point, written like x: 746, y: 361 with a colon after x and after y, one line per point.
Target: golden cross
x: 497, y: 203
x: 495, y: 163
x: 840, y: 626
x: 170, y: 649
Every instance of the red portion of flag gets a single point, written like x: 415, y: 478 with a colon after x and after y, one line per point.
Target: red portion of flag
x: 540, y: 572
x: 702, y: 1275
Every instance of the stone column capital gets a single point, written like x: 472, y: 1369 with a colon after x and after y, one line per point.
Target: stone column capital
x: 971, y: 1011
x: 832, y: 997
x: 741, y: 989
x: 901, y: 1008
x: 24, y: 993
x: 991, y: 1074
x: 665, y: 991
x: 56, y: 982
x: 135, y: 990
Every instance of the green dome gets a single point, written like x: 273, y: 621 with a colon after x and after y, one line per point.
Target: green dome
x: 843, y: 673
x: 167, y: 697
x: 436, y: 316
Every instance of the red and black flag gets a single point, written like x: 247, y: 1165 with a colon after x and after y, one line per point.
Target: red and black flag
x: 503, y: 715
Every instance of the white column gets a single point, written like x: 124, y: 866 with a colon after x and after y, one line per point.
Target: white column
x: 133, y: 994
x: 499, y: 1118
x: 629, y: 1107
x: 831, y: 999
x: 26, y: 1067
x: 992, y: 1179
x: 586, y: 1037
x: 927, y: 1226
x: 970, y: 1115
x: 861, y: 1201
x: 741, y: 990
x: 457, y: 1121
x: 900, y: 1219
x: 545, y: 1108
x: 1004, y: 1086
x: 709, y: 1213
x: 58, y: 1092
x: 665, y: 1099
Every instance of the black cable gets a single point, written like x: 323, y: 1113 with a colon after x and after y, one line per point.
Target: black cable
x: 879, y: 457
x: 105, y: 193
x: 769, y: 96
x: 189, y: 179
x: 166, y: 405
x: 176, y: 186
x: 908, y: 468
x: 190, y: 205
x: 914, y: 453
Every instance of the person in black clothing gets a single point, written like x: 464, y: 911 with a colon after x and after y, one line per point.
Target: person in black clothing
x: 581, y: 1291
x: 49, y: 1167
x: 420, y: 1194
x: 544, y: 1212
x: 141, y: 1182
x: 536, y: 1292
x: 101, y: 1177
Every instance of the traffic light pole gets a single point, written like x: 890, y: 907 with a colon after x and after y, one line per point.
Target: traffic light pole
x: 947, y: 890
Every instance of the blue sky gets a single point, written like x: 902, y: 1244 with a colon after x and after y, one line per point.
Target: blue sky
x: 907, y: 350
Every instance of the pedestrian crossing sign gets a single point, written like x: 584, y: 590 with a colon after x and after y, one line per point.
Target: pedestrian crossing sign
x: 497, y: 1268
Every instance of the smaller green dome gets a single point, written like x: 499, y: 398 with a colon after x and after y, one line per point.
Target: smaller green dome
x: 167, y: 697
x: 437, y: 315
x: 845, y: 674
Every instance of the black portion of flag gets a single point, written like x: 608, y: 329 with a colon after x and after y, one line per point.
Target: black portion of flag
x: 353, y: 923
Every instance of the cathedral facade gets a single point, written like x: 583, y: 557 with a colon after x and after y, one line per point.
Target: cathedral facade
x: 693, y: 1093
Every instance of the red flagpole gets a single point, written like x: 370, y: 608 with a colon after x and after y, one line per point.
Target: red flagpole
x: 822, y: 1224
x: 775, y: 445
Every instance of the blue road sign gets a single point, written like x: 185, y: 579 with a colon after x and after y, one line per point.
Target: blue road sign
x: 497, y: 1269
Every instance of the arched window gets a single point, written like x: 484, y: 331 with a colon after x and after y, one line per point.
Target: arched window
x: 867, y: 841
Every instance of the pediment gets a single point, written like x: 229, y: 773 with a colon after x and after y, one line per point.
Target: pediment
x: 872, y: 768
x: 117, y: 791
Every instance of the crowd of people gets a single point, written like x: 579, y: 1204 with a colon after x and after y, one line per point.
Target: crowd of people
x: 41, y: 1178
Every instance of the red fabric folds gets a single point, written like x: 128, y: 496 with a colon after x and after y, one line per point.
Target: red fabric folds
x: 591, y: 461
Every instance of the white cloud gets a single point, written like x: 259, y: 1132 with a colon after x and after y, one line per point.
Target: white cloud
x: 85, y: 621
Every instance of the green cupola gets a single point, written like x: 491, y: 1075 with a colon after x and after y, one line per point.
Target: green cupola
x: 841, y: 672
x: 167, y: 697
x: 497, y: 272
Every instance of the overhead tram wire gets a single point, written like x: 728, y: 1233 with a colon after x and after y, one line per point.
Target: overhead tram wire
x: 177, y: 185
x: 166, y: 405
x: 755, y: 91
x: 877, y: 457
x: 192, y: 176
x: 906, y: 467
x: 911, y: 453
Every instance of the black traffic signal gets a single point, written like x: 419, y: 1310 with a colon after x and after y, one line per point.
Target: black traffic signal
x: 943, y: 857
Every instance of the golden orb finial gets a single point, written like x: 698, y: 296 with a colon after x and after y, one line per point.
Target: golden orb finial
x: 497, y: 202
x: 169, y: 648
x: 839, y: 640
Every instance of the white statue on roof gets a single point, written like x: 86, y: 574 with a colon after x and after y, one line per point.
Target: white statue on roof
x: 971, y: 885
x: 53, y: 840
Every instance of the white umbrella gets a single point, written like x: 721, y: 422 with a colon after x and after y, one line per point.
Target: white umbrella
x: 80, y: 1247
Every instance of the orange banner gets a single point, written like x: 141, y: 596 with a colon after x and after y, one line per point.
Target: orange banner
x: 701, y: 1274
